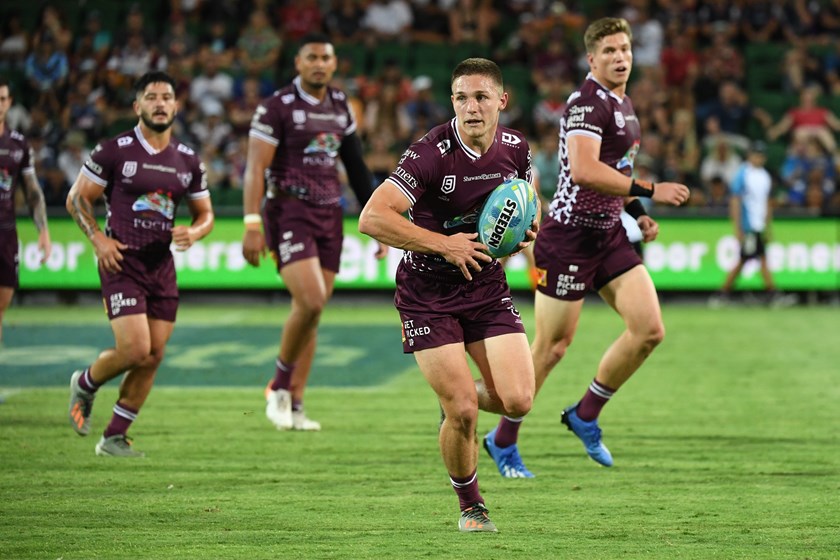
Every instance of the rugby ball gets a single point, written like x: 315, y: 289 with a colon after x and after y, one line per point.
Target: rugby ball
x: 506, y: 215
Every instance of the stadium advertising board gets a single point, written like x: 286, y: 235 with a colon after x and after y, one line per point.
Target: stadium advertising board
x: 691, y: 254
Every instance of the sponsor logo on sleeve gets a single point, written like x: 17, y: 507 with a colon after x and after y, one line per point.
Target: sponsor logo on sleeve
x: 444, y: 146
x: 124, y: 141
x: 510, y: 139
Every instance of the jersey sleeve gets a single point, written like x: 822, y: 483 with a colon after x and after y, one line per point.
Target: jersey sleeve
x: 415, y: 171
x: 99, y: 167
x: 587, y: 116
x: 27, y: 162
x: 266, y: 123
x: 198, y: 185
x: 737, y: 186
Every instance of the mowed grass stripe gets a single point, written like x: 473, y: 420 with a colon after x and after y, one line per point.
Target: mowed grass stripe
x: 725, y: 444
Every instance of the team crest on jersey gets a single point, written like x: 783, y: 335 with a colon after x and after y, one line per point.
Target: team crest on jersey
x: 448, y: 184
x: 325, y: 143
x: 185, y: 178
x: 619, y: 119
x: 129, y: 169
x: 159, y: 202
x: 299, y: 116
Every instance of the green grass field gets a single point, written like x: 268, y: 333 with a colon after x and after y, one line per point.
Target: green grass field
x: 726, y: 446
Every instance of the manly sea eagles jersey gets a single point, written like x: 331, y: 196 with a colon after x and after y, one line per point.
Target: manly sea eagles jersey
x: 16, y: 160
x: 596, y: 112
x: 143, y: 187
x: 447, y: 183
x: 308, y: 134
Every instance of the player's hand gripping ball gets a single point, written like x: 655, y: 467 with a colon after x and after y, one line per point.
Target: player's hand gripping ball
x: 507, y: 214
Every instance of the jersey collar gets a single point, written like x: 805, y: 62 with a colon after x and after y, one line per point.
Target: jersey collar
x: 142, y: 139
x: 472, y: 154
x: 589, y: 76
x: 311, y: 99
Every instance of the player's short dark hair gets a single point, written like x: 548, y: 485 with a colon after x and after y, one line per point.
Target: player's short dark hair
x: 311, y: 38
x: 152, y: 78
x: 604, y: 27
x: 480, y: 67
x: 7, y: 83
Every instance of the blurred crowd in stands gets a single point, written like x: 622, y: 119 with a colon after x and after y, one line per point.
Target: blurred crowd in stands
x: 709, y: 76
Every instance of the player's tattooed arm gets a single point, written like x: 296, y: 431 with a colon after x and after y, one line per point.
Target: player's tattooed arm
x: 82, y: 211
x: 35, y: 201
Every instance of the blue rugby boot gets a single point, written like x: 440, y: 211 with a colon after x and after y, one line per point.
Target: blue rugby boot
x: 589, y: 433
x: 507, y: 459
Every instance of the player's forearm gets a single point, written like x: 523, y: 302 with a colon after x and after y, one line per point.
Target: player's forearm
x: 391, y: 228
x: 253, y: 190
x: 202, y: 224
x: 601, y: 178
x: 35, y: 201
x: 81, y: 209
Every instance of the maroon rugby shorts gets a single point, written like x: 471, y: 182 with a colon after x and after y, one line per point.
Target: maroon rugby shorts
x: 571, y: 261
x: 9, y: 258
x: 145, y: 285
x: 435, y: 312
x: 295, y: 230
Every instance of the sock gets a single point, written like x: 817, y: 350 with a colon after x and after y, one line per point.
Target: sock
x: 87, y: 383
x: 282, y: 375
x: 593, y: 401
x: 467, y: 490
x: 121, y: 420
x: 508, y: 431
x: 297, y: 404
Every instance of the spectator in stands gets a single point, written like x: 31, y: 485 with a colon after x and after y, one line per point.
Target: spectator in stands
x: 554, y: 62
x: 131, y: 61
x: 683, y: 139
x: 211, y: 129
x: 649, y: 101
x: 101, y: 39
x: 72, y: 156
x: 391, y: 74
x: 53, y: 27
x: 84, y: 111
x: 648, y: 37
x: 718, y: 194
x: 178, y: 43
x: 386, y: 115
x: 472, y: 21
x: 241, y: 108
x: 298, y: 18
x: 760, y: 21
x: 430, y: 20
x: 135, y: 23
x: 722, y: 162
x: 800, y: 20
x: 14, y: 42
x: 733, y: 110
x: 718, y: 18
x: 216, y: 39
x: 387, y: 20
x: 831, y: 68
x: 547, y: 162
x: 211, y: 83
x: 681, y: 64
x: 724, y: 56
x: 381, y: 158
x: 549, y: 109
x: 423, y: 107
x: 259, y: 47
x: 806, y: 156
x: 799, y: 67
x: 343, y: 21
x: 808, y: 120
x: 46, y: 73
x: 236, y: 155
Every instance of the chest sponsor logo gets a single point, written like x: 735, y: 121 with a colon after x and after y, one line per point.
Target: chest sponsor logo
x: 448, y: 185
x: 298, y: 116
x: 483, y: 177
x: 619, y: 119
x: 510, y: 139
x: 158, y: 202
x: 129, y: 169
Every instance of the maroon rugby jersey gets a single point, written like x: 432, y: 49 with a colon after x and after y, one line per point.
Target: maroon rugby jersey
x: 308, y: 134
x: 596, y: 112
x: 447, y: 183
x: 143, y: 187
x: 15, y: 160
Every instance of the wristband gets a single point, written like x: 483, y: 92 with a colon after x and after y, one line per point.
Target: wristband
x: 639, y: 188
x: 636, y: 209
x: 251, y: 219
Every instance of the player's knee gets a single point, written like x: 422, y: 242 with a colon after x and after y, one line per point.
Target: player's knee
x: 312, y: 306
x: 153, y: 358
x: 518, y: 404
x: 653, y: 336
x: 464, y: 416
x: 135, y: 355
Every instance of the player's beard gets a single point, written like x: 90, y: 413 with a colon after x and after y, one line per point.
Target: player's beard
x: 157, y: 127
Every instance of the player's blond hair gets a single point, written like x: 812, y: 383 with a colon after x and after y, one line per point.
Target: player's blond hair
x: 604, y: 27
